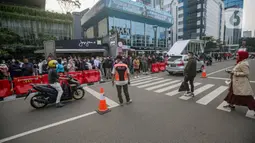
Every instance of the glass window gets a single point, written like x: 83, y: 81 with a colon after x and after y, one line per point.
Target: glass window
x: 102, y: 28
x: 138, y: 38
x: 122, y: 27
x: 161, y: 37
x: 150, y: 35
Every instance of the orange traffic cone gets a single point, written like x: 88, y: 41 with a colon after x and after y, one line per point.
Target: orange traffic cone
x: 102, y: 107
x: 203, y: 73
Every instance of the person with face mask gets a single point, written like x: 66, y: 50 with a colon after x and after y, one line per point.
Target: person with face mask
x: 27, y: 68
x: 240, y: 90
x: 190, y: 72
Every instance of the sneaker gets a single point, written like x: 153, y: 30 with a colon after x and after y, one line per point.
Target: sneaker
x: 187, y: 93
x: 59, y: 105
x: 121, y: 104
x: 130, y: 101
x: 135, y: 77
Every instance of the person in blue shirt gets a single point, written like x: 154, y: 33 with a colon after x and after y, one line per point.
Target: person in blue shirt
x: 60, y: 67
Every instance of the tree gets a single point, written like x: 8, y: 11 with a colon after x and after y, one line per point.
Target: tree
x: 69, y: 5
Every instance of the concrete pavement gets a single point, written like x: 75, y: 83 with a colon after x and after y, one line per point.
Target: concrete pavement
x: 158, y: 114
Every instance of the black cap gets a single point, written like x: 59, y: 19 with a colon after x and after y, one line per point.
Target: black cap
x: 119, y: 57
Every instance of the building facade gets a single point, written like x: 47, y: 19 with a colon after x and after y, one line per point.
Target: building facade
x: 34, y: 25
x: 77, y: 29
x: 196, y: 19
x: 233, y: 21
x: 138, y: 26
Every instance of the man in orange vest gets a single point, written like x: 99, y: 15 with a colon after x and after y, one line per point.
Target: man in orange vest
x: 121, y: 78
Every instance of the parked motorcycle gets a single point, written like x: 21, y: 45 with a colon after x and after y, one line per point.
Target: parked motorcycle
x: 46, y: 94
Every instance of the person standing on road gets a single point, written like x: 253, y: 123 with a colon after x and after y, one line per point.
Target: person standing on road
x: 136, y: 66
x: 240, y: 90
x: 121, y: 78
x: 190, y: 73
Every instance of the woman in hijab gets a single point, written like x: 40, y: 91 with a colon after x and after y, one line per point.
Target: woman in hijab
x: 240, y: 91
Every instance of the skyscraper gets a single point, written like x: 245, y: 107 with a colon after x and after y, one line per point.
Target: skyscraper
x: 195, y: 19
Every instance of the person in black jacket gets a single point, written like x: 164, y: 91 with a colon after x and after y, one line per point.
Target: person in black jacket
x: 190, y: 73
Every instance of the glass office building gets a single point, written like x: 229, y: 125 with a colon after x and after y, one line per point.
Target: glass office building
x: 134, y: 23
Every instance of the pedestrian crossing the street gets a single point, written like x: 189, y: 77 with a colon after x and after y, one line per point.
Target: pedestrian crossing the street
x: 169, y: 87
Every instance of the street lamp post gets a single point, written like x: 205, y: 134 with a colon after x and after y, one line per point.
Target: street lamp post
x: 155, y: 36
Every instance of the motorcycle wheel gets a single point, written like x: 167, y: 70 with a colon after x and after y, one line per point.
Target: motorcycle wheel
x: 79, y: 94
x: 38, y: 101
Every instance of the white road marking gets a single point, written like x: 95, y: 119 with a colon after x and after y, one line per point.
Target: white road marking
x: 175, y: 92
x: 45, y: 127
x: 212, y: 95
x: 109, y: 102
x: 197, y: 91
x: 218, y: 71
x: 140, y: 80
x: 221, y: 107
x: 168, y: 88
x: 154, y: 83
x: 250, y: 114
x: 148, y: 81
x: 143, y: 77
x: 161, y: 85
x: 221, y: 78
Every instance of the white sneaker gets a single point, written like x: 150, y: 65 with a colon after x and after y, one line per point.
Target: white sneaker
x: 135, y: 77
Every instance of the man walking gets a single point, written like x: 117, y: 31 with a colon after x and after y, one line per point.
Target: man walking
x: 121, y: 78
x: 190, y: 72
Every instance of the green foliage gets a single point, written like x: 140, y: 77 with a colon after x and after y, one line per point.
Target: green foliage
x: 34, y: 12
x: 8, y: 37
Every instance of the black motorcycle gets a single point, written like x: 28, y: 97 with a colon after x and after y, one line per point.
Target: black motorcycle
x: 46, y: 94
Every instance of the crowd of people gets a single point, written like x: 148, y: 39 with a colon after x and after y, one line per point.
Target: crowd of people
x: 17, y: 68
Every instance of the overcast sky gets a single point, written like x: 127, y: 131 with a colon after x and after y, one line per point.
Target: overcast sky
x: 52, y: 5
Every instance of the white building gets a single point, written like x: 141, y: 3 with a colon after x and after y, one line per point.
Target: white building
x: 195, y: 19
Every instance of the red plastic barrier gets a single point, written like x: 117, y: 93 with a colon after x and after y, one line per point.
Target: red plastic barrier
x: 162, y: 66
x: 91, y: 76
x: 23, y: 84
x: 78, y: 75
x: 154, y: 68
x: 44, y: 79
x: 5, y: 88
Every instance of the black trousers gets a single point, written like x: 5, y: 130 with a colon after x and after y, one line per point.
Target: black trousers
x: 191, y: 82
x: 125, y: 89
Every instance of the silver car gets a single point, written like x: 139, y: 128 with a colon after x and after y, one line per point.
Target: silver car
x: 177, y: 63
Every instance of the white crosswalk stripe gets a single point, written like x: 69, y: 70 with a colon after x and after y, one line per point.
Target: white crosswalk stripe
x: 221, y: 107
x: 175, y: 92
x: 168, y: 88
x: 162, y: 85
x: 212, y: 95
x: 143, y: 77
x: 141, y: 80
x: 148, y: 81
x: 197, y: 91
x: 154, y: 83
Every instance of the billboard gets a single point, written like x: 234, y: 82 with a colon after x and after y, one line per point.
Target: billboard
x: 234, y: 18
x: 49, y: 49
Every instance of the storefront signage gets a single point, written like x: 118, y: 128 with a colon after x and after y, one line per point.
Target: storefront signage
x: 86, y: 43
x: 139, y: 9
x: 79, y: 44
x: 121, y: 30
x: 125, y: 5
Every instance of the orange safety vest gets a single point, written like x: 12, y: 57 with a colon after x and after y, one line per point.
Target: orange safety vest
x: 121, y: 72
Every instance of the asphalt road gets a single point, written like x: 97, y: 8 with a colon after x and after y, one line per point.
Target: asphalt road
x: 158, y: 114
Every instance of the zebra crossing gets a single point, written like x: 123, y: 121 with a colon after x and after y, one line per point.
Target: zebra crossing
x: 169, y: 87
